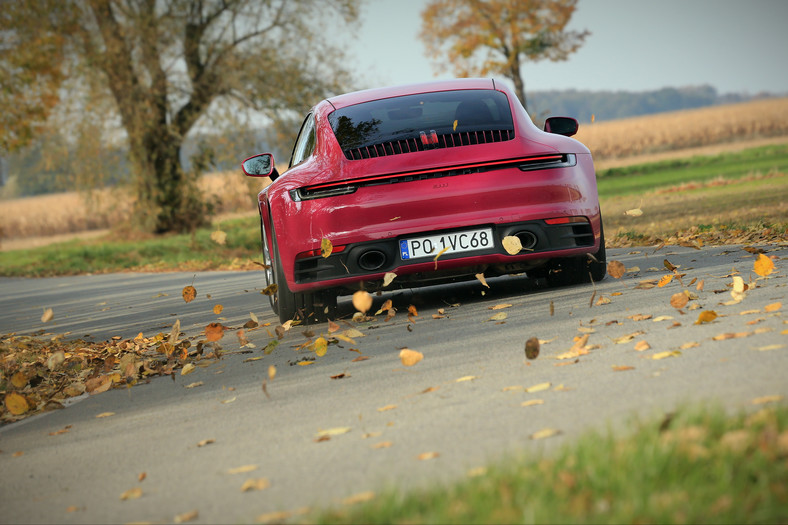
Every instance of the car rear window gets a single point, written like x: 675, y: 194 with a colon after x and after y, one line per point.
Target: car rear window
x: 425, y: 121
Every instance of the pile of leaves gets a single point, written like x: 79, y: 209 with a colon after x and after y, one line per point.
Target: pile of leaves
x: 38, y: 375
x: 695, y: 237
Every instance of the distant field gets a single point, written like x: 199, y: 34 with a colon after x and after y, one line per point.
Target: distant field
x: 39, y: 220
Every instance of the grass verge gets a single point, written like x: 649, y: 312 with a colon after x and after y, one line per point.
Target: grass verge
x: 733, y: 198
x: 697, y: 466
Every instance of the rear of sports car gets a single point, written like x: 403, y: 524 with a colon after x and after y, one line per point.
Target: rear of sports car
x: 436, y: 183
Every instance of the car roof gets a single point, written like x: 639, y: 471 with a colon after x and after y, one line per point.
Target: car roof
x: 357, y: 97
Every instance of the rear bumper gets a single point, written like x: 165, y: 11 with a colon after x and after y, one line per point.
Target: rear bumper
x: 370, y: 261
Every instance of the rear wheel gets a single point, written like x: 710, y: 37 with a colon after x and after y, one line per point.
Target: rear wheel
x: 309, y: 308
x: 576, y: 270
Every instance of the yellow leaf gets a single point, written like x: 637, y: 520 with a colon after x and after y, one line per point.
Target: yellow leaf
x: 305, y: 363
x: 634, y: 212
x: 134, y: 493
x: 616, y: 269
x: 326, y: 248
x: 545, y: 433
x: 359, y: 498
x: 538, y: 388
x: 336, y: 431
x: 321, y: 346
x: 388, y: 277
x: 188, y: 368
x: 706, y: 317
x: 218, y: 309
x: 362, y: 301
x: 424, y: 456
x: 622, y: 368
x: 664, y: 281
x: 641, y: 346
x: 410, y: 357
x: 242, y: 470
x: 205, y: 442
x: 766, y: 399
x: 679, y: 300
x: 105, y: 414
x: 763, y: 266
x: 663, y: 355
x: 47, y: 315
x: 255, y: 484
x: 16, y: 403
x: 500, y: 316
x: 512, y: 245
x: 219, y: 237
x: 438, y: 255
x: 772, y: 307
x: 187, y: 516
x: 214, y: 332
x: 189, y: 293
x: 19, y: 380
x: 465, y: 378
x: 482, y: 280
x: 387, y: 408
x: 627, y: 338
x: 532, y: 402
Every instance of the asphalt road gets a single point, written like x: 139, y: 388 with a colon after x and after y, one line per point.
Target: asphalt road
x: 463, y: 401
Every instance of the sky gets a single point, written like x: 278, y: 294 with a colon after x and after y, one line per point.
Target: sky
x: 736, y: 46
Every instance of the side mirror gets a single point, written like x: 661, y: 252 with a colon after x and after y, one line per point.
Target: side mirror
x: 261, y: 165
x: 561, y: 126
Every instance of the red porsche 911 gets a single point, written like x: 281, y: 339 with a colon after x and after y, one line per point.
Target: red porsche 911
x: 425, y: 184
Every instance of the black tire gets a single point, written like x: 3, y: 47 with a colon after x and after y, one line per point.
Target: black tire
x: 268, y: 269
x: 578, y: 270
x: 309, y: 308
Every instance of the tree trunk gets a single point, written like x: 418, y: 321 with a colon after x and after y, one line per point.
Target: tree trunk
x: 517, y: 79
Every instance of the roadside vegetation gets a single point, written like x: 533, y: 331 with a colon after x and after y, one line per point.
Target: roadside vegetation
x: 699, y: 465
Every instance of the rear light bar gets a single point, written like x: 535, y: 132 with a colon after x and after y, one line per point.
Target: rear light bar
x: 332, y: 189
x: 319, y: 251
x: 565, y: 220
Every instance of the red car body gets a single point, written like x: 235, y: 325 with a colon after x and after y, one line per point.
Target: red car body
x: 531, y: 184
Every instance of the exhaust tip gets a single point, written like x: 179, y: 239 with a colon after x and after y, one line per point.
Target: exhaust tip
x: 527, y: 239
x: 372, y: 260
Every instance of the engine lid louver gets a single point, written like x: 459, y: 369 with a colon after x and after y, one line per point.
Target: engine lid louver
x: 412, y: 145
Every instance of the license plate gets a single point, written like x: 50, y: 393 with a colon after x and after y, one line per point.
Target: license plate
x: 446, y: 243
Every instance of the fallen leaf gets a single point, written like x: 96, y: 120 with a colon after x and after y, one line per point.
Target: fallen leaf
x: 622, y: 368
x: 105, y: 414
x: 446, y: 249
x: 465, y: 378
x: 634, y: 212
x: 362, y: 301
x: 424, y: 456
x: 189, y: 293
x: 763, y: 266
x: 532, y: 348
x: 512, y: 244
x: 387, y: 408
x: 214, y: 332
x: 271, y: 372
x: 231, y: 400
x: 480, y: 277
x: 602, y: 301
x: 669, y: 266
x: 219, y: 237
x: 500, y: 316
x: 679, y: 300
x: 772, y: 307
x: 410, y: 357
x: 187, y: 516
x: 242, y: 470
x: 691, y: 344
x: 664, y: 281
x: 382, y: 444
x: 16, y: 403
x: 627, y: 338
x: 218, y: 309
x: 642, y: 346
x: 47, y: 316
x: 545, y: 433
x: 336, y: 431
x: 731, y: 335
x: 616, y: 269
x: 532, y: 402
x: 194, y: 385
x: 188, y: 368
x: 134, y: 493
x: 706, y: 317
x: 766, y: 399
x: 359, y: 498
x: 326, y: 248
x: 255, y: 484
x: 388, y: 278
x: 663, y: 355
x: 206, y: 442
x: 538, y: 388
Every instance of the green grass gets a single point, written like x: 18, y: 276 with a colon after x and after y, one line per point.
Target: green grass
x: 186, y: 251
x: 702, y: 467
x: 638, y: 179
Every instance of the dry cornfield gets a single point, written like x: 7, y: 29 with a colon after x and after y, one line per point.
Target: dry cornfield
x: 626, y: 140
x: 692, y: 128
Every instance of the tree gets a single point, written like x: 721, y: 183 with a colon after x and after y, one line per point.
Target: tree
x: 167, y: 68
x: 480, y: 37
